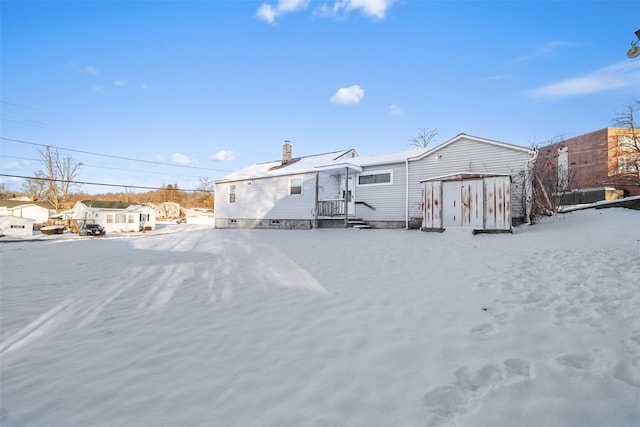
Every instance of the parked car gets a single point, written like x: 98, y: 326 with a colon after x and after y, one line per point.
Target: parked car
x: 92, y: 230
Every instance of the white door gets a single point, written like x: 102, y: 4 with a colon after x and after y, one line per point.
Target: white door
x: 347, y: 185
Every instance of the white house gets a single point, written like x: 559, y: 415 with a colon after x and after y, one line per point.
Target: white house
x: 37, y: 211
x: 115, y: 217
x: 384, y: 191
x: 12, y: 226
x: 279, y: 194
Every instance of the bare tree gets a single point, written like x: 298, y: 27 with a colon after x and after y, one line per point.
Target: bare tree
x: 170, y: 193
x: 58, y: 176
x: 4, y: 190
x: 205, y: 191
x: 550, y: 179
x: 423, y: 139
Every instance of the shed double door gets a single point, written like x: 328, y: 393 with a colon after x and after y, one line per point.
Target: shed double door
x: 463, y: 203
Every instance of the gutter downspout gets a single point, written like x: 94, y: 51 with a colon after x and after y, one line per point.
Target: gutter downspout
x: 315, y: 214
x: 406, y: 194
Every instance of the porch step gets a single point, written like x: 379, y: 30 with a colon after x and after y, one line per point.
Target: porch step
x: 358, y: 223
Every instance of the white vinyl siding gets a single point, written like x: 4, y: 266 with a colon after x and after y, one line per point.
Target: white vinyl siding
x: 387, y: 199
x: 270, y: 198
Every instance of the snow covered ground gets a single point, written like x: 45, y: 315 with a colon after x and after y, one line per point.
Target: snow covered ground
x: 189, y: 326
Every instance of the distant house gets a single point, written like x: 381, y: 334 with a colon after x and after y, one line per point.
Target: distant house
x: 383, y: 191
x: 596, y: 162
x: 39, y: 212
x: 115, y: 217
x: 12, y: 226
x: 167, y: 210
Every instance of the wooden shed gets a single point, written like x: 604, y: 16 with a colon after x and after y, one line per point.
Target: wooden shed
x: 478, y: 201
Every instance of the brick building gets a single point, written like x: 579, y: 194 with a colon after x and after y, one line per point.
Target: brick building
x: 608, y: 157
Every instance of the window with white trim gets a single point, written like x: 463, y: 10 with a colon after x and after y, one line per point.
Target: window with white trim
x: 232, y: 193
x: 295, y: 186
x: 382, y: 177
x: 121, y: 218
x: 628, y: 165
x: 627, y: 142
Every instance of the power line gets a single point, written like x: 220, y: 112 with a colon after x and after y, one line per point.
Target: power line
x: 88, y: 165
x: 101, y: 183
x: 114, y: 157
x: 35, y: 123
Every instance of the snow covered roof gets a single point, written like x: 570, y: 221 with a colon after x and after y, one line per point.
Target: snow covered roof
x: 388, y: 158
x: 297, y: 165
x: 99, y: 205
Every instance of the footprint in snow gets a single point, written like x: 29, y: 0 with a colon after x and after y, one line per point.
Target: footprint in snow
x: 446, y: 402
x: 578, y: 364
x: 628, y: 371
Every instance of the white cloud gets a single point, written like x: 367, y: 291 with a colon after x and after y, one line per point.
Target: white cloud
x: 119, y: 83
x: 182, y: 159
x: 348, y: 95
x: 394, y: 110
x: 144, y: 87
x: 97, y: 88
x: 376, y: 9
x: 617, y: 76
x: 15, y: 165
x: 224, y: 156
x: 544, y: 50
x: 270, y: 13
x: 89, y: 70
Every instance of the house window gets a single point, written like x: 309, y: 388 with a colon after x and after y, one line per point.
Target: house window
x: 120, y: 218
x: 628, y: 165
x: 232, y: 193
x: 109, y: 219
x: 295, y: 186
x: 628, y: 142
x: 130, y: 219
x: 376, y: 178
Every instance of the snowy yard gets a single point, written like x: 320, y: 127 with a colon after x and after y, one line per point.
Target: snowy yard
x: 189, y: 326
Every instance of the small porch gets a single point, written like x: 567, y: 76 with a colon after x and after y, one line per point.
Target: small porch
x: 335, y: 211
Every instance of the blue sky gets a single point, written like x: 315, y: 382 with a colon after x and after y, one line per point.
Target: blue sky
x: 202, y: 88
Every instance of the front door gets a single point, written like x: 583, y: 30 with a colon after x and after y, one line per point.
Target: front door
x: 346, y: 184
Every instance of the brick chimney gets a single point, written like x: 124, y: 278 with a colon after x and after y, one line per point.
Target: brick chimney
x: 286, y: 153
